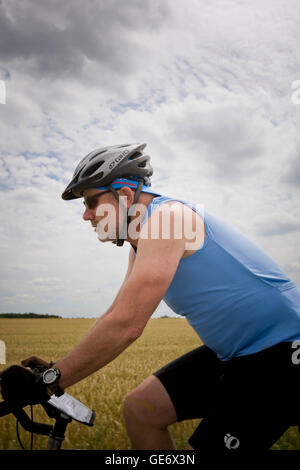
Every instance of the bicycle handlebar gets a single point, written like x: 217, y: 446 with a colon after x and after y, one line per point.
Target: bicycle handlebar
x: 27, y: 423
x: 32, y: 426
x: 63, y: 409
x: 54, y: 407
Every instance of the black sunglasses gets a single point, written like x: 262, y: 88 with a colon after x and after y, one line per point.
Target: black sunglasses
x: 92, y: 201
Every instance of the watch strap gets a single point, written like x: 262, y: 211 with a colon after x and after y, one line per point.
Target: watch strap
x: 55, y: 388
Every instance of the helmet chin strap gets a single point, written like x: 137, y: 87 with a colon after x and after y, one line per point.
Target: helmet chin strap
x: 120, y: 241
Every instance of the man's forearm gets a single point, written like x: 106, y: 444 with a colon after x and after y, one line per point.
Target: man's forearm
x: 113, y: 332
x: 105, y: 341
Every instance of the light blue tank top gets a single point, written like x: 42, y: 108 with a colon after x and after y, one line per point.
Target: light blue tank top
x: 237, y: 299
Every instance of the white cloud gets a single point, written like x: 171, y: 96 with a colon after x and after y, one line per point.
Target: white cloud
x: 209, y: 90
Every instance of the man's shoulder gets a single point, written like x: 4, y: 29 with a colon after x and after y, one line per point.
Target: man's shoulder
x: 174, y: 220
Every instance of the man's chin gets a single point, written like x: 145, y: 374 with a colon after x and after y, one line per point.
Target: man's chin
x: 105, y: 239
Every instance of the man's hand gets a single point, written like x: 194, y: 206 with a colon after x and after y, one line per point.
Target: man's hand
x: 21, y: 387
x: 35, y: 362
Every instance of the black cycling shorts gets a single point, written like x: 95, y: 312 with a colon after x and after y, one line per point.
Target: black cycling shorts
x: 246, y: 403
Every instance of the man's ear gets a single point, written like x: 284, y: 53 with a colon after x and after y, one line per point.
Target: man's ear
x: 128, y: 193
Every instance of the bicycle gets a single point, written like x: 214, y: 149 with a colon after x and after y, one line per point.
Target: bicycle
x: 63, y: 409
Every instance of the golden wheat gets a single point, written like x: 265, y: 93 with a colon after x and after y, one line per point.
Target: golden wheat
x: 162, y: 341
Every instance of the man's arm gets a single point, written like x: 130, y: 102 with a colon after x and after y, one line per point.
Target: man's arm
x: 152, y: 272
x: 33, y: 360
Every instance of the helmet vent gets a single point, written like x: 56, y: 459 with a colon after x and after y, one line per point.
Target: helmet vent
x: 97, y: 155
x: 90, y: 170
x: 135, y: 155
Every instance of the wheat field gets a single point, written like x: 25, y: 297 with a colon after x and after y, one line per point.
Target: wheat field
x: 163, y: 340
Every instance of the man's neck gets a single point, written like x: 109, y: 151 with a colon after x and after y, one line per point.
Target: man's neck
x: 144, y: 200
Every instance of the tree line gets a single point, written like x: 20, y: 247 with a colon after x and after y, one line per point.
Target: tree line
x: 28, y: 315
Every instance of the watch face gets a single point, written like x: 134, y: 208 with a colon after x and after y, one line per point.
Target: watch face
x: 49, y: 376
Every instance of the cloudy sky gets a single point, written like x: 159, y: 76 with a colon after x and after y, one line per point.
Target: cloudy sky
x: 211, y: 87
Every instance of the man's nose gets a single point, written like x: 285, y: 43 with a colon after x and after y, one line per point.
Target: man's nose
x: 88, y: 214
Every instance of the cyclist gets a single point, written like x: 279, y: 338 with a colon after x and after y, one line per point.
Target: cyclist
x: 244, y: 307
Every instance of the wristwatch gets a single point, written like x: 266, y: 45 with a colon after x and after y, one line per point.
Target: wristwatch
x: 50, y: 378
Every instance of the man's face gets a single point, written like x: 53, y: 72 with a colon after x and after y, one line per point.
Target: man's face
x: 102, y: 210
